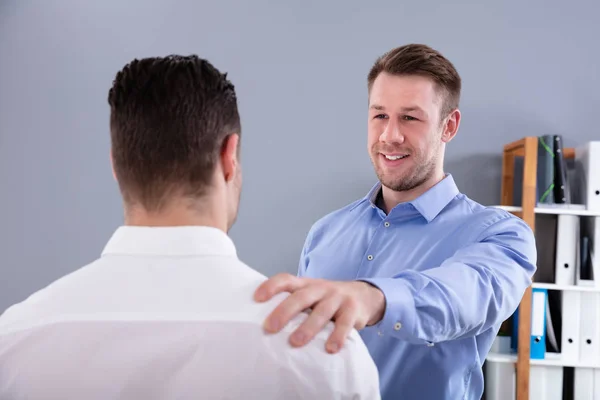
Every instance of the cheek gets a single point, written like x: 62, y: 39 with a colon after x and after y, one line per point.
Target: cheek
x: 372, y: 141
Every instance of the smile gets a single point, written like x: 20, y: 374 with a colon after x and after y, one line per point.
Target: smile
x: 395, y: 156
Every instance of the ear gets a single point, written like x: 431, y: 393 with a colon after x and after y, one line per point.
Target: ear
x: 451, y: 126
x: 112, y: 165
x: 229, y: 156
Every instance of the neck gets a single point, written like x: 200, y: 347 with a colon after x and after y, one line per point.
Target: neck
x: 392, y: 198
x: 179, y: 213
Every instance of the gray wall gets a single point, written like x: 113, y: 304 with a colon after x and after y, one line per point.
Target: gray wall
x: 529, y: 68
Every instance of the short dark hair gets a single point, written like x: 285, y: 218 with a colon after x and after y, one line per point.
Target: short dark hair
x: 420, y: 59
x: 169, y: 117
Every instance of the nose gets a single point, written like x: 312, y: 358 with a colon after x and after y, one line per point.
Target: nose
x: 392, y: 133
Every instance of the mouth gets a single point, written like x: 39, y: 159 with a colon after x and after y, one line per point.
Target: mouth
x: 394, y: 157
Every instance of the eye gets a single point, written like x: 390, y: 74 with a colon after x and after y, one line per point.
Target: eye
x: 409, y: 118
x: 380, y: 116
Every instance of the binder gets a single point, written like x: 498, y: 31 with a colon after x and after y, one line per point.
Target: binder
x: 545, y: 170
x: 588, y: 158
x: 588, y: 273
x: 567, y: 238
x: 594, y: 248
x: 561, y: 190
x: 538, y: 323
x: 546, y: 382
x: 584, y: 384
x: 537, y: 346
x: 596, y: 384
x: 570, y: 326
x: 589, y: 328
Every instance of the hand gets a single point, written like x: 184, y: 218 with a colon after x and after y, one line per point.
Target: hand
x: 350, y: 305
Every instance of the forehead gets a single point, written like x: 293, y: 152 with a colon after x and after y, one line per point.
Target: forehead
x: 404, y: 91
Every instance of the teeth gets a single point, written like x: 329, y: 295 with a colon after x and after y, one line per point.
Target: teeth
x: 393, y: 158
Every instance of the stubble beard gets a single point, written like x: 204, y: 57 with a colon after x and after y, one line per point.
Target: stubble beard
x: 420, y: 174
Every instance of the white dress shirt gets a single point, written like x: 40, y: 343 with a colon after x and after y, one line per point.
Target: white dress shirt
x: 168, y: 313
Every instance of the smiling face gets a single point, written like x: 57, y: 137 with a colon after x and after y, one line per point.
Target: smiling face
x: 406, y: 135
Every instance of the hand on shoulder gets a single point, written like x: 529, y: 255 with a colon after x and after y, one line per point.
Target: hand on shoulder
x: 350, y: 305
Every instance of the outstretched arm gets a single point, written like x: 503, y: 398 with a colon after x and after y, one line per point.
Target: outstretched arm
x: 478, y: 287
x: 474, y: 290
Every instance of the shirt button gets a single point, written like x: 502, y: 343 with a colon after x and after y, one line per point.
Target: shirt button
x: 429, y: 344
x: 369, y: 257
x: 387, y: 224
x: 397, y: 326
x: 380, y: 333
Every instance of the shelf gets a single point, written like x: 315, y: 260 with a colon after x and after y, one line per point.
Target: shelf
x: 552, y: 359
x: 573, y: 288
x: 575, y: 209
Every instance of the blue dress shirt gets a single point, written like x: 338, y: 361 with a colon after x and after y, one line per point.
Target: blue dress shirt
x: 451, y: 271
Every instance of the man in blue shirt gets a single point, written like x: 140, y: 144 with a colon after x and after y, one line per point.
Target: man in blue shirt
x: 426, y: 274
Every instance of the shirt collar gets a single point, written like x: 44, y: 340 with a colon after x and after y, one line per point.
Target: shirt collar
x: 430, y: 203
x: 170, y: 241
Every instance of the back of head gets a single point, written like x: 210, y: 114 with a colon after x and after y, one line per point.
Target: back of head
x: 421, y: 60
x: 169, y: 118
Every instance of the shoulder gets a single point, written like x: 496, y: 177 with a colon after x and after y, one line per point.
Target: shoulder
x: 487, y: 220
x: 351, y: 371
x: 45, y: 302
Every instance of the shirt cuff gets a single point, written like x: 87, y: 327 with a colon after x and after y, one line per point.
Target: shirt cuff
x: 400, y: 313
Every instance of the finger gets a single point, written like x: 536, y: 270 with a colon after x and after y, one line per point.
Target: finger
x: 292, y: 306
x: 343, y: 325
x: 322, y: 313
x: 279, y: 283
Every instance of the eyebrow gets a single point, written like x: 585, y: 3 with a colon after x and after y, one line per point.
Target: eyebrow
x: 403, y: 109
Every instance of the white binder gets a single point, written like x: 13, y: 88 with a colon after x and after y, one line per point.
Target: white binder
x: 584, y: 384
x: 545, y: 382
x: 589, y: 157
x: 589, y: 328
x: 595, y: 249
x: 596, y: 384
x: 567, y: 244
x: 570, y: 326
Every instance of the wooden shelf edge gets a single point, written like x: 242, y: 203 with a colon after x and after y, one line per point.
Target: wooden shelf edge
x: 517, y: 144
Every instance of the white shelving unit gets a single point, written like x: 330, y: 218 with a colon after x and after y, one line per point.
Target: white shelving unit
x: 576, y: 209
x: 551, y: 359
x: 554, y: 362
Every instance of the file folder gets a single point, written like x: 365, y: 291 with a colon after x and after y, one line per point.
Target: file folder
x: 546, y: 382
x: 571, y: 306
x: 537, y: 345
x: 588, y: 158
x: 589, y: 328
x: 567, y: 239
x: 538, y: 323
x: 584, y: 383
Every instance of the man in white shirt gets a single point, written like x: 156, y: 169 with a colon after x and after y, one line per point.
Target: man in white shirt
x: 167, y: 311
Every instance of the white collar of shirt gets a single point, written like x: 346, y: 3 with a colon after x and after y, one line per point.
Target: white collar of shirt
x: 170, y: 241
